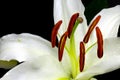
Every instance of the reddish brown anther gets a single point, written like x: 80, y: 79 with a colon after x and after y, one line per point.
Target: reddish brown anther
x: 71, y: 23
x: 61, y: 45
x: 99, y: 42
x: 82, y: 56
x: 92, y: 26
x: 54, y: 33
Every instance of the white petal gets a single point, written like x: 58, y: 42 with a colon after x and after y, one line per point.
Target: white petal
x: 93, y: 79
x: 66, y: 61
x: 109, y: 22
x: 23, y: 47
x: 109, y: 62
x: 64, y: 9
x: 44, y: 67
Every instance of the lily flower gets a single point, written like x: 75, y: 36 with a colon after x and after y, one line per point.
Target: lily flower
x: 84, y: 51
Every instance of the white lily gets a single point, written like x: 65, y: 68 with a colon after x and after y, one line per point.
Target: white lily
x: 78, y: 56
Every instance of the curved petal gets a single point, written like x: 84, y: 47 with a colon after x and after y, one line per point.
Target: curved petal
x: 109, y: 62
x: 109, y: 22
x: 64, y: 9
x: 45, y: 67
x: 23, y: 47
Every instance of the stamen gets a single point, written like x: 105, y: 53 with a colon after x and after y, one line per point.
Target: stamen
x: 61, y: 45
x: 71, y: 23
x: 92, y: 26
x: 54, y: 33
x: 82, y: 56
x: 99, y: 42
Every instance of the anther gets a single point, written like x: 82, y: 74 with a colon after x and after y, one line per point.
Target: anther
x: 92, y: 26
x: 99, y: 42
x: 54, y: 33
x: 71, y: 23
x: 82, y: 56
x: 61, y: 45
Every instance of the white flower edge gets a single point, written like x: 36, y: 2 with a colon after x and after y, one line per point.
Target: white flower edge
x: 109, y: 22
x: 64, y: 9
x: 49, y: 68
x: 45, y: 67
x: 23, y: 47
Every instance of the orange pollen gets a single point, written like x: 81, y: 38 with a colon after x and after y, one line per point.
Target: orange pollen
x: 99, y: 42
x: 61, y: 45
x: 71, y: 23
x: 92, y: 26
x: 82, y: 56
x: 54, y: 33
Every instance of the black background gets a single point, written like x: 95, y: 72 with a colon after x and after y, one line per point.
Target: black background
x: 31, y: 16
x: 36, y: 17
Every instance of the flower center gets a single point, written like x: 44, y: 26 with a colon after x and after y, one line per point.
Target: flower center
x: 77, y: 63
